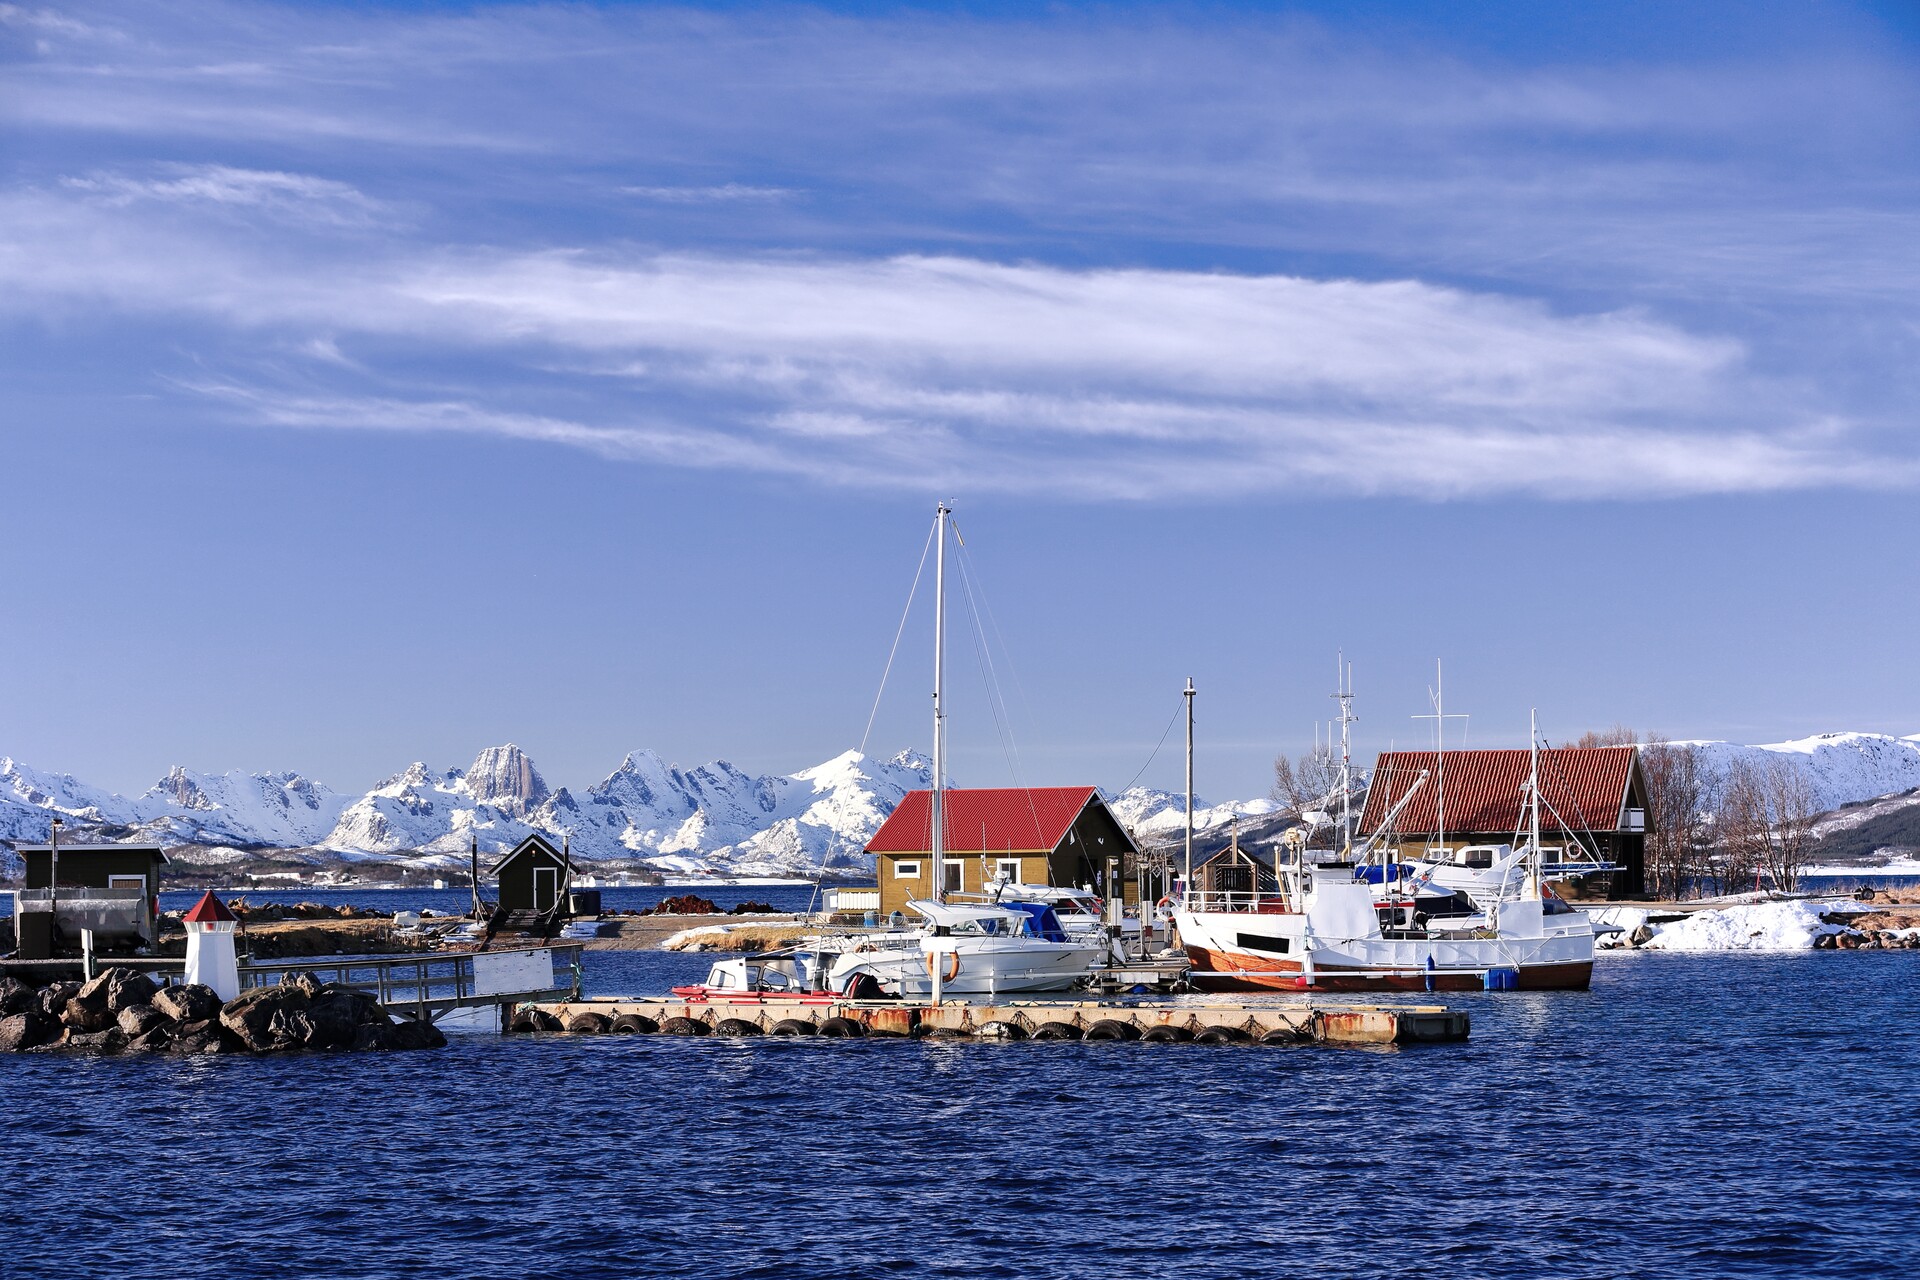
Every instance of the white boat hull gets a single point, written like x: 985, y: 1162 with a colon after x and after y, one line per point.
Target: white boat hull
x: 975, y: 967
x: 1241, y: 950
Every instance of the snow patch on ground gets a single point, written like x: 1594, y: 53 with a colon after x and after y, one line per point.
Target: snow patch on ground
x: 681, y: 940
x: 1763, y: 926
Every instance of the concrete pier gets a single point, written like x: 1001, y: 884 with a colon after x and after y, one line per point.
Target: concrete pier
x: 1007, y: 1019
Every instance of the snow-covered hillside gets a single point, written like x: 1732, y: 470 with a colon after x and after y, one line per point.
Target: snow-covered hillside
x: 1844, y: 768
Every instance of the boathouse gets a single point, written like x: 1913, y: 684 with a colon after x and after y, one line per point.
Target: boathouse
x: 1034, y: 835
x: 111, y: 889
x: 533, y: 876
x: 1591, y: 796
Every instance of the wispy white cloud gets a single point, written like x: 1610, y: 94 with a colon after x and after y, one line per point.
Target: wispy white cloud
x: 50, y: 22
x: 299, y: 195
x: 911, y: 370
x: 725, y: 193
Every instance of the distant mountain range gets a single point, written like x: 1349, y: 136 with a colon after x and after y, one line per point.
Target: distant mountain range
x: 714, y: 817
x: 646, y: 810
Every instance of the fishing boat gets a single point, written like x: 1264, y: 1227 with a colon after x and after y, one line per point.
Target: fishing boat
x: 1360, y: 923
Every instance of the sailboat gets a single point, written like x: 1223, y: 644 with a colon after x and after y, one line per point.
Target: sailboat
x: 961, y: 948
x: 1348, y: 924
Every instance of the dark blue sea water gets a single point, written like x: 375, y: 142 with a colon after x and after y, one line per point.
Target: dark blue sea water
x: 1690, y: 1116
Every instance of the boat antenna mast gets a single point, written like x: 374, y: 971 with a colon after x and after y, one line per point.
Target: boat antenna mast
x: 1533, y: 802
x: 1343, y: 694
x: 1437, y: 695
x: 939, y: 842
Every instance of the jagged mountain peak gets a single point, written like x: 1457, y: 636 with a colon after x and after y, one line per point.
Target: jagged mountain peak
x: 505, y: 777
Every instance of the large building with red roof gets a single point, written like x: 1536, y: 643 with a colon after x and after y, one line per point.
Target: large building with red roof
x: 1033, y: 835
x: 1595, y: 795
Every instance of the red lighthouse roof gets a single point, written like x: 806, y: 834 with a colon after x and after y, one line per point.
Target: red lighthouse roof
x: 209, y: 910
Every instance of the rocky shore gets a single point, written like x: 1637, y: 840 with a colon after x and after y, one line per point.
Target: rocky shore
x: 123, y: 1011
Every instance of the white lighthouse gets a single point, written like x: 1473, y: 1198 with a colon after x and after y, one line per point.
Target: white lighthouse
x: 211, y: 957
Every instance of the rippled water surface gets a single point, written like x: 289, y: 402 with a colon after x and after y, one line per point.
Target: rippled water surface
x: 1691, y: 1116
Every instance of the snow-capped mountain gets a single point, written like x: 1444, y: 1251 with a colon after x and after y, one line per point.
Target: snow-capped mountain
x: 1150, y: 812
x: 714, y: 816
x: 711, y: 816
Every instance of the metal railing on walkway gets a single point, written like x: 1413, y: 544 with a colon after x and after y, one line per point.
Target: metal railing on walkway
x: 431, y: 984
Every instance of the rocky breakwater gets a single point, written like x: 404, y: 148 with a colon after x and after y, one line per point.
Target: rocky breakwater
x: 124, y: 1011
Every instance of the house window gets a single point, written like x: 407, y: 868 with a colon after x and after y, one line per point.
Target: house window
x: 906, y: 871
x: 951, y: 876
x: 1008, y: 869
x: 1636, y: 820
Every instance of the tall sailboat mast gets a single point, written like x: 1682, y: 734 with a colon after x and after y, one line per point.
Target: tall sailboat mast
x: 939, y: 710
x: 1187, y: 880
x: 1440, y: 754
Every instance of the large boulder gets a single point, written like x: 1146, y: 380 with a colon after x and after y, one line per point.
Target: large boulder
x: 89, y: 1008
x: 201, y: 1037
x: 24, y: 1030
x: 137, y: 1019
x: 305, y: 982
x: 16, y: 996
x: 410, y: 1034
x: 100, y: 1042
x: 193, y: 1002
x: 268, y: 1018
x: 153, y: 1040
x: 53, y: 998
x: 333, y: 1019
x: 128, y: 987
x: 367, y: 1007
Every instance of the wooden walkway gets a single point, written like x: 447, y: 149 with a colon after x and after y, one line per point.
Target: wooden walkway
x: 1291, y: 1023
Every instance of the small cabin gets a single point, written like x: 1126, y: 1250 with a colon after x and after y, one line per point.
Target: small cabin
x: 1060, y: 836
x: 111, y: 889
x: 533, y: 877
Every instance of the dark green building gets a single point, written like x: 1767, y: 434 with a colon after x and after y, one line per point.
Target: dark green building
x: 534, y: 877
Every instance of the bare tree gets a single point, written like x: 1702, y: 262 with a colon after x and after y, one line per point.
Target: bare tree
x: 1618, y: 736
x: 1307, y: 782
x: 1791, y: 805
x: 1677, y: 826
x: 1765, y: 822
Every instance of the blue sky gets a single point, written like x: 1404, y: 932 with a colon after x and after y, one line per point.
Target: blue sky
x: 383, y: 382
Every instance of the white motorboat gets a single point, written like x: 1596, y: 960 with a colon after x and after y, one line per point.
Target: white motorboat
x: 1081, y: 911
x: 965, y: 949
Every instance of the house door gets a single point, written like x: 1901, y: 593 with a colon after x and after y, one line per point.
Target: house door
x: 546, y: 887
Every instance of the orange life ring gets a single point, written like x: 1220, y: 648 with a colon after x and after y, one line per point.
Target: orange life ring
x: 953, y: 970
